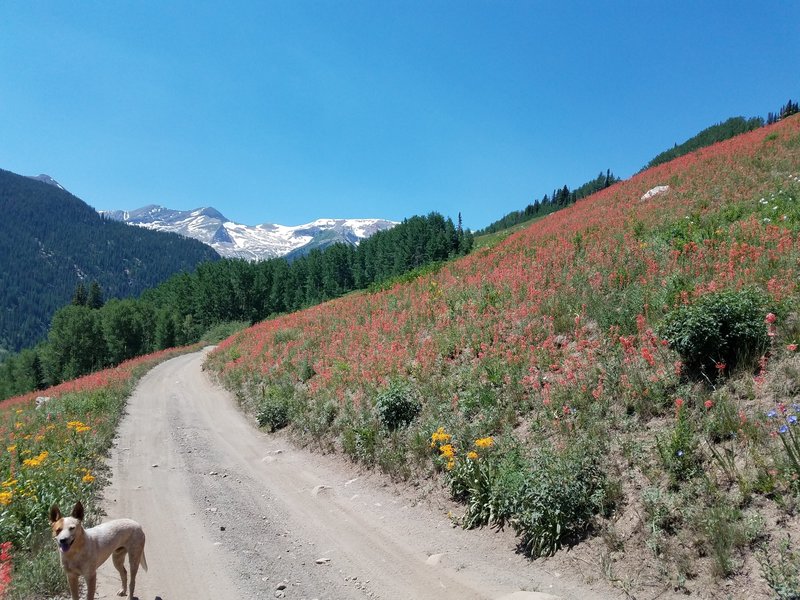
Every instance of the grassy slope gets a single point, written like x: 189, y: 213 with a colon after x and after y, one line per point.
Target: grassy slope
x: 546, y: 340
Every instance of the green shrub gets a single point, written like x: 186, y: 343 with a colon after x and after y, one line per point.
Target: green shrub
x: 559, y: 498
x: 490, y: 485
x: 397, y: 406
x: 361, y: 442
x: 273, y: 413
x: 274, y: 410
x: 721, y: 328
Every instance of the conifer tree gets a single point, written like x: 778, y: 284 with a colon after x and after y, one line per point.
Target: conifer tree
x: 80, y: 297
x: 95, y: 297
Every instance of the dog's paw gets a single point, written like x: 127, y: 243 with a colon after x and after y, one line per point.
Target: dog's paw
x: 122, y: 592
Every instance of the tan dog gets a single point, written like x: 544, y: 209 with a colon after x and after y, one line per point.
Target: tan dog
x: 84, y: 550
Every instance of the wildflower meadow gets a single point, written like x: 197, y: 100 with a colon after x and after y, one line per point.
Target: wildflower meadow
x: 570, y: 346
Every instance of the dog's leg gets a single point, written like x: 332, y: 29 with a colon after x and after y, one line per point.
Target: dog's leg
x: 134, y: 559
x: 119, y: 562
x: 91, y: 584
x: 73, y: 586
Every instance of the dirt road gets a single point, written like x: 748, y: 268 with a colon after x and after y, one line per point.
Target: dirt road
x: 233, y: 513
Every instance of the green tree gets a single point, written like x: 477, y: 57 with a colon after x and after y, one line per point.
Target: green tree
x: 124, y: 330
x: 95, y: 296
x: 80, y: 297
x: 75, y: 344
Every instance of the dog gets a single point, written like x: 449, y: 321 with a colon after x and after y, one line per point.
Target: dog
x: 84, y: 550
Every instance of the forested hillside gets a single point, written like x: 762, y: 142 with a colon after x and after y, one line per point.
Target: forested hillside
x: 52, y: 241
x: 88, y: 335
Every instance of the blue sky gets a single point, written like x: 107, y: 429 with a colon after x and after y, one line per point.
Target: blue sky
x: 289, y: 111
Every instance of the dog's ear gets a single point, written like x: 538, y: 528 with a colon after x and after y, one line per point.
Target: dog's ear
x: 77, y: 512
x: 55, y: 513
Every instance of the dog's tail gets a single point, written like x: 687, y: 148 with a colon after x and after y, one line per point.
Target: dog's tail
x: 143, y: 562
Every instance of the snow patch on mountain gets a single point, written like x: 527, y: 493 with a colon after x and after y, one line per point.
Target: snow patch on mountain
x: 251, y: 242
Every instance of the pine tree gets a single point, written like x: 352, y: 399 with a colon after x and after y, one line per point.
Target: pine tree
x: 80, y: 298
x: 95, y: 298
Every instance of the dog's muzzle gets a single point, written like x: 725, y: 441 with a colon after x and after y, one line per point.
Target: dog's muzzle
x: 65, y: 545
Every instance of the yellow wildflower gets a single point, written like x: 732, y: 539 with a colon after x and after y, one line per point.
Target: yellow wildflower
x: 12, y: 447
x: 439, y: 436
x: 36, y: 461
x: 5, y: 498
x: 451, y: 464
x: 485, y: 442
x: 448, y: 451
x: 78, y: 426
x: 472, y: 455
x: 88, y: 478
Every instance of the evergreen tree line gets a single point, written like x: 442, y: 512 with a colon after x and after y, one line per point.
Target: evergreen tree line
x: 557, y: 200
x: 787, y: 110
x: 90, y: 334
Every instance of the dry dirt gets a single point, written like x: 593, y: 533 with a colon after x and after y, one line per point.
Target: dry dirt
x: 233, y: 513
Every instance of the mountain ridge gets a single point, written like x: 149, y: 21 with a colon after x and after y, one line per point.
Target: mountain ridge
x: 251, y: 242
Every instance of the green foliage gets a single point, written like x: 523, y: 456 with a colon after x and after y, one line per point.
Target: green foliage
x: 397, y: 405
x: 489, y: 484
x: 557, y: 502
x: 222, y: 331
x: 361, y: 439
x: 679, y: 451
x: 75, y: 344
x: 662, y: 517
x: 726, y: 531
x: 720, y: 328
x: 782, y: 572
x: 37, y: 574
x: 549, y: 498
x: 274, y: 411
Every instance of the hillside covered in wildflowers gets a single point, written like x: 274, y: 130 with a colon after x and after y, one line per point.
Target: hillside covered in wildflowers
x: 618, y: 382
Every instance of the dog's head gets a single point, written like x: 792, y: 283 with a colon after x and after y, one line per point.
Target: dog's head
x: 66, y: 529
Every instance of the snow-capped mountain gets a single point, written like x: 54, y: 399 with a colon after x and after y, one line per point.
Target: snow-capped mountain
x: 252, y: 242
